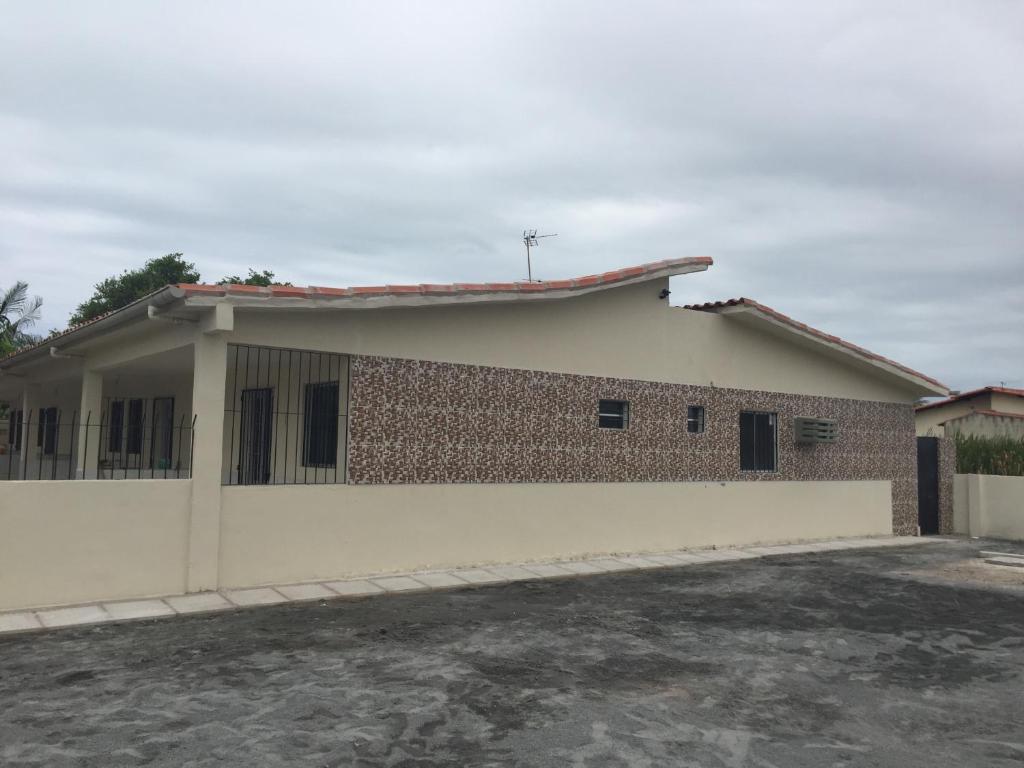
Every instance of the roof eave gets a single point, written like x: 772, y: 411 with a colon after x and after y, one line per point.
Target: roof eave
x: 138, y: 309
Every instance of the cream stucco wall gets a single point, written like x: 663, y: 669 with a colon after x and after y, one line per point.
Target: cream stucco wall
x: 989, y: 505
x: 301, y: 533
x: 82, y: 540
x: 929, y: 422
x: 1007, y: 403
x: 624, y: 332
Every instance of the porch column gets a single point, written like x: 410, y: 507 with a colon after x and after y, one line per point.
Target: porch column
x: 89, y: 430
x: 208, y: 383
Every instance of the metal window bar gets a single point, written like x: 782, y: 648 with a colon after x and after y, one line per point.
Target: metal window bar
x: 286, y: 416
x: 62, y: 439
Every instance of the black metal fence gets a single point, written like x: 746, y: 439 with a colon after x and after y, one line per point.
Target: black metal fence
x: 286, y: 416
x: 132, y: 443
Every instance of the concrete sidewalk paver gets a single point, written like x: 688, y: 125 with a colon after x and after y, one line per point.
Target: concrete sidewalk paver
x: 68, y: 617
x: 638, y: 561
x: 611, y: 564
x: 547, y: 570
x: 200, y: 602
x: 18, y: 622
x: 138, y: 609
x: 354, y: 587
x: 512, y: 572
x: 478, y: 576
x: 244, y: 598
x: 440, y: 579
x: 398, y: 583
x: 581, y: 567
x: 299, y: 592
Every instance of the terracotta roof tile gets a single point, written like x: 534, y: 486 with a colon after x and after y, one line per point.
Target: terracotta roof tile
x: 971, y: 394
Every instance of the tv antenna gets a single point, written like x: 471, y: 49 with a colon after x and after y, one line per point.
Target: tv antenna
x: 530, y: 238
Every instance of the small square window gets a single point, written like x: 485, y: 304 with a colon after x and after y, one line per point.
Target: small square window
x: 612, y: 414
x: 695, y: 418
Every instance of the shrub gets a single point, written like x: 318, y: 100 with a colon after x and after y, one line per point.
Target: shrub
x: 989, y: 455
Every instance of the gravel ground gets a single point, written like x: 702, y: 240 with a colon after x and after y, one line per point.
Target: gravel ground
x: 886, y: 657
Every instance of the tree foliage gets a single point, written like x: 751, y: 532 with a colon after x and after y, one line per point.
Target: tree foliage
x: 131, y: 285
x: 18, y: 312
x: 264, y: 278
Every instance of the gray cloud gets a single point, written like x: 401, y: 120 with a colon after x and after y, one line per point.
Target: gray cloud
x: 858, y: 166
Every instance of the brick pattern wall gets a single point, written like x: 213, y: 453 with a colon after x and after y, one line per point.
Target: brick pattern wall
x: 423, y: 422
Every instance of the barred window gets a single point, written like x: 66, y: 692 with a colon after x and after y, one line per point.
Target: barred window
x: 136, y: 415
x: 320, y: 425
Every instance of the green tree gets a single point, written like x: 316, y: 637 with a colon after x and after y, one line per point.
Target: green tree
x: 264, y: 278
x: 116, y: 292
x: 18, y: 312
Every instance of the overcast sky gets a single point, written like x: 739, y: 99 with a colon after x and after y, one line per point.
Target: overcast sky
x: 858, y: 166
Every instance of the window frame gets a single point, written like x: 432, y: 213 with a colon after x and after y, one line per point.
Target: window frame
x: 321, y: 451
x: 760, y: 422
x: 696, y: 416
x: 602, y: 413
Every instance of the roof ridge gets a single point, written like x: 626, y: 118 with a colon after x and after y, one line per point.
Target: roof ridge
x: 443, y: 289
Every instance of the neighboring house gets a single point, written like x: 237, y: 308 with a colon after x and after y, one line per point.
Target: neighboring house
x: 986, y: 412
x: 258, y: 435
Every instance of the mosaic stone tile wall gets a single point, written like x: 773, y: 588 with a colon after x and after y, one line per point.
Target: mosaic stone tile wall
x: 423, y: 422
x: 947, y: 467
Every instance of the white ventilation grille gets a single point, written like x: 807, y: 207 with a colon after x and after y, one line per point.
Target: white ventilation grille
x: 811, y: 430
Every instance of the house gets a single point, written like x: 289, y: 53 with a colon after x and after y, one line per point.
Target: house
x: 223, y: 436
x: 985, y: 412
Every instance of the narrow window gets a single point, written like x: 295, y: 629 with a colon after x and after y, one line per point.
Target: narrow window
x: 15, y: 423
x: 320, y: 425
x: 695, y: 418
x: 135, y: 427
x: 612, y: 414
x: 161, y: 436
x: 115, y: 433
x: 46, y: 432
x: 758, y: 441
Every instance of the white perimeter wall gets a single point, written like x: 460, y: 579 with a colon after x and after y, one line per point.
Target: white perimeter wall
x: 989, y: 505
x: 82, y: 540
x: 279, y: 534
